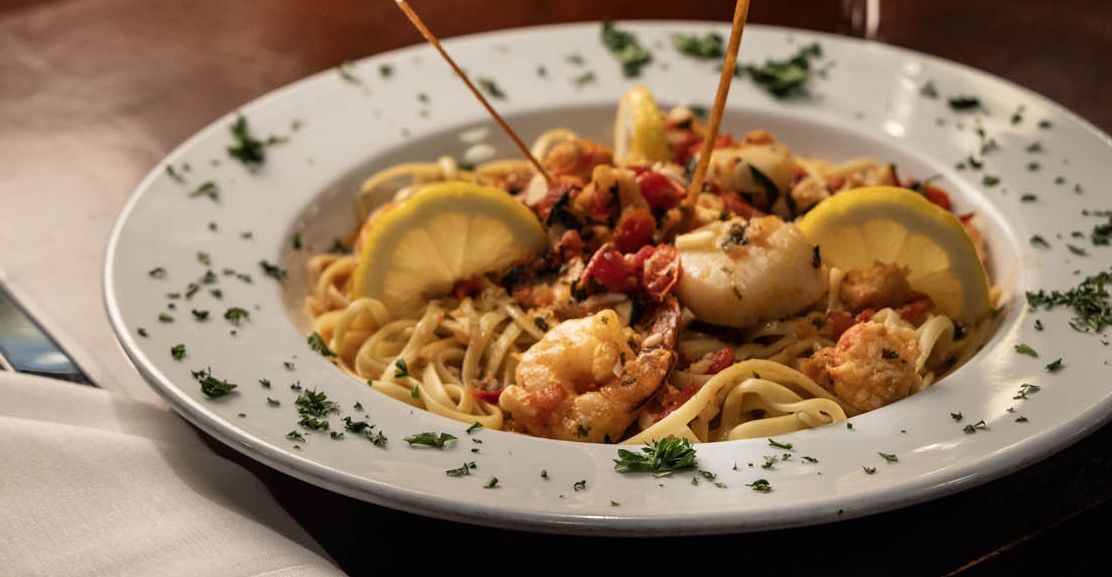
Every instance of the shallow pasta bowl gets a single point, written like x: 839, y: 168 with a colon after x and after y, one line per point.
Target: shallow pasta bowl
x: 254, y: 228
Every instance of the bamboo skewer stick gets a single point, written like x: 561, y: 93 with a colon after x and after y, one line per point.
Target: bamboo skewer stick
x: 431, y: 38
x: 741, y: 11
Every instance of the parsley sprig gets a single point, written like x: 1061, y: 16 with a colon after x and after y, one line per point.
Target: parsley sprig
x: 661, y: 458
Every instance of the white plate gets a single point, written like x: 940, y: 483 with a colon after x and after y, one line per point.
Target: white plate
x: 868, y: 104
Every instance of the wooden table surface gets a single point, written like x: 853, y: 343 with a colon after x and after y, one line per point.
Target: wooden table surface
x: 94, y: 92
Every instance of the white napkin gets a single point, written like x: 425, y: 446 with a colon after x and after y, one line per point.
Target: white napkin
x: 94, y: 484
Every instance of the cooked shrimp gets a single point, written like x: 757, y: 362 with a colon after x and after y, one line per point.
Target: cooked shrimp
x: 576, y: 157
x: 881, y: 285
x: 871, y: 366
x: 737, y: 273
x: 583, y: 381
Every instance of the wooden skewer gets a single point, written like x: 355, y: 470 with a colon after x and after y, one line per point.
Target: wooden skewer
x: 424, y: 30
x: 740, y: 13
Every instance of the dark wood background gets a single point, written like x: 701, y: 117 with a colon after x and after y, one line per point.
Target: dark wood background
x: 94, y: 92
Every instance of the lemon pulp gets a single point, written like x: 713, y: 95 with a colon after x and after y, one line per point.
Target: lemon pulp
x: 639, y: 128
x: 898, y: 226
x: 444, y: 234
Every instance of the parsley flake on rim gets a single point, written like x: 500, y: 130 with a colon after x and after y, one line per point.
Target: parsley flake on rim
x: 1089, y: 302
x: 626, y: 49
x: 401, y: 369
x: 430, y: 439
x: 463, y: 470
x: 317, y: 344
x: 235, y: 315
x: 247, y: 149
x: 779, y: 445
x: 490, y: 87
x: 760, y: 486
x: 474, y: 427
x: 178, y: 351
x: 211, y: 386
x: 207, y: 188
x: 1054, y: 366
x: 580, y: 485
x: 890, y: 457
x: 1025, y: 349
x: 708, y: 47
x: 492, y: 483
x: 784, y: 78
x: 272, y: 270
x: 661, y: 458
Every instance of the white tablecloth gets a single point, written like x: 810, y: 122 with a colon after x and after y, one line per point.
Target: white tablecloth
x: 93, y: 483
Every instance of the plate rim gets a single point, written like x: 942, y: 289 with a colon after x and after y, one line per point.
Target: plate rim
x: 937, y: 484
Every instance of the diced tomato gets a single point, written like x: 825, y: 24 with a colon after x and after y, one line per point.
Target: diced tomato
x: 568, y: 246
x: 661, y: 272
x: 965, y: 218
x: 683, y: 150
x: 634, y: 230
x: 466, y: 287
x: 938, y: 197
x: 661, y: 192
x: 737, y: 205
x: 685, y: 395
x: 488, y: 396
x: 720, y: 360
x: 608, y: 268
x: 835, y: 184
x: 724, y: 141
x: 865, y: 315
x: 839, y: 321
x: 916, y: 309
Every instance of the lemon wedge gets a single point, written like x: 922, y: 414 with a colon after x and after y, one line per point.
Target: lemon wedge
x: 443, y: 234
x: 898, y: 226
x: 639, y: 128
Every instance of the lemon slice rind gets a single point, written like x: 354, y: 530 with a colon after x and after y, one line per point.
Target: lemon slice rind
x: 445, y: 233
x: 898, y: 226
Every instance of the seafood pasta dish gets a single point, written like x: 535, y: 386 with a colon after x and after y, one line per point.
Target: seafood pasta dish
x: 607, y: 304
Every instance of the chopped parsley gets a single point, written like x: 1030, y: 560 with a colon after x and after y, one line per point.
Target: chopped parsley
x: 247, y: 149
x: 336, y: 435
x: 273, y: 402
x: 661, y: 458
x: 491, y: 87
x: 990, y: 180
x: 313, y: 423
x: 165, y: 318
x: 264, y: 383
x: 1089, y: 302
x: 314, y: 403
x: 869, y: 470
x: 295, y: 435
x: 760, y: 486
x: 347, y: 72
x: 1021, y: 419
x: 474, y: 427
x: 1024, y: 390
x: 970, y: 429
x: 236, y: 314
x: 288, y: 365
x: 811, y: 460
x: 157, y: 272
x: 1044, y: 124
x: 142, y: 332
x: 1038, y: 325
x: 1025, y: 349
x: 708, y: 47
x: 779, y: 445
x: 890, y: 457
x: 964, y: 103
x: 1054, y: 366
x: 207, y: 188
x: 957, y: 416
x: 211, y: 386
x: 583, y: 79
x: 492, y: 483
x: 462, y: 471
x: 1017, y: 116
x: 580, y: 485
x: 928, y: 90
x: 430, y: 439
x: 295, y: 240
x: 200, y: 315
x: 416, y: 392
x: 272, y: 270
x: 784, y: 78
x: 317, y: 344
x: 1035, y: 147
x: 1039, y: 241
x: 386, y: 70
x: 626, y: 49
x: 400, y: 369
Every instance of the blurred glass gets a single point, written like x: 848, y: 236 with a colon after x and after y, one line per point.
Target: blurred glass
x: 860, y: 18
